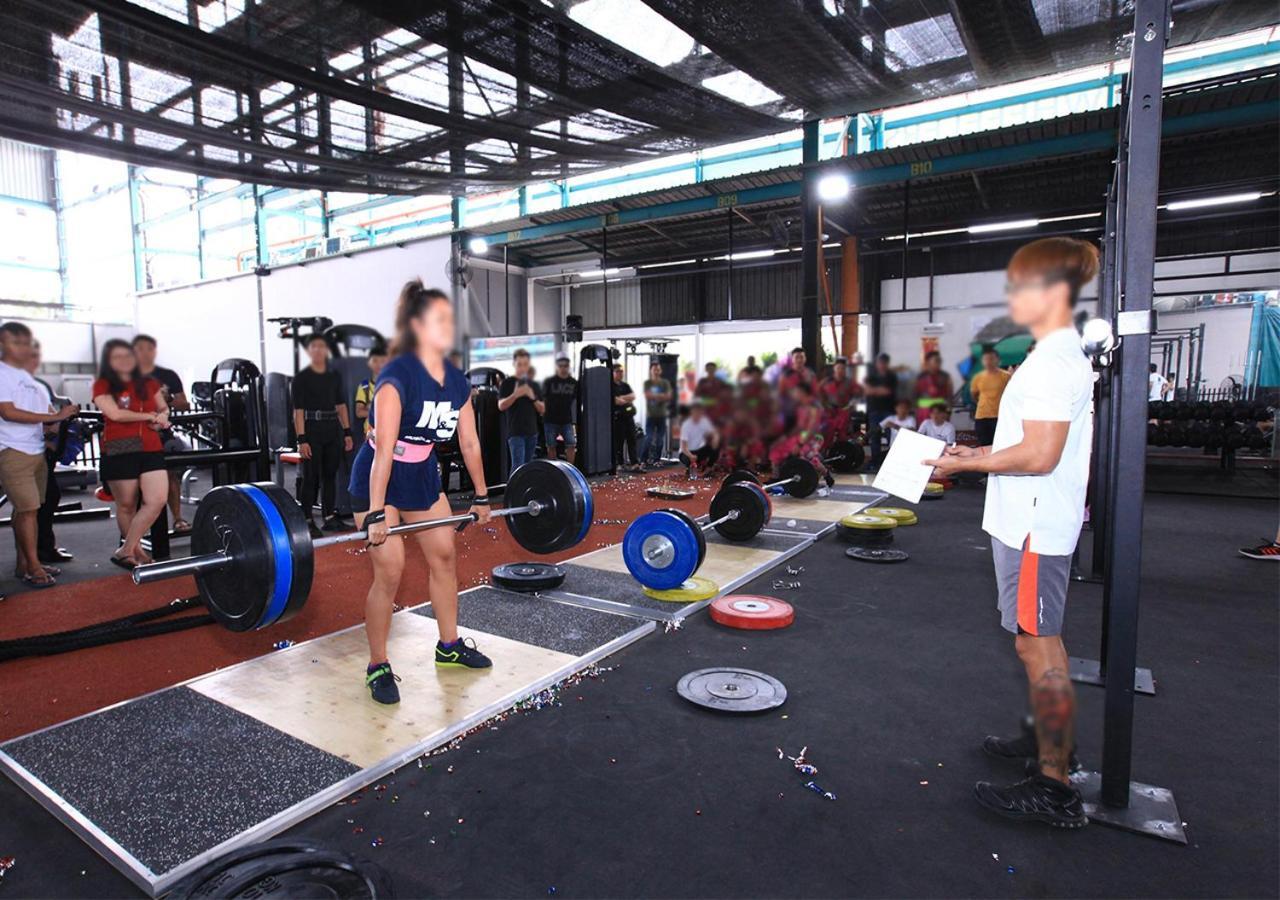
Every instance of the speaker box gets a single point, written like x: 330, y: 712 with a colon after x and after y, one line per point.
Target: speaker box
x: 573, y: 328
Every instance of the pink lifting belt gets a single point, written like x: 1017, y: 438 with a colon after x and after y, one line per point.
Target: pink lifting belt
x: 408, y: 453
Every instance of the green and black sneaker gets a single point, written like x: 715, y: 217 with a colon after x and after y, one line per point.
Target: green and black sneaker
x: 381, y: 682
x: 461, y: 654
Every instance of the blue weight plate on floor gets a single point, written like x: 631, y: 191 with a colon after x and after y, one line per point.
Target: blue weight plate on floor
x: 660, y: 550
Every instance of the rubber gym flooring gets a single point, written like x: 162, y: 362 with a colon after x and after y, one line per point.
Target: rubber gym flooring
x: 894, y: 674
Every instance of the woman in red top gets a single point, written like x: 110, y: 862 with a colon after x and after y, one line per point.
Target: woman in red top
x: 132, y: 462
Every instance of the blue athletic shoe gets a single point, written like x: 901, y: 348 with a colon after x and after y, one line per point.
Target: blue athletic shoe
x: 381, y: 682
x: 461, y: 654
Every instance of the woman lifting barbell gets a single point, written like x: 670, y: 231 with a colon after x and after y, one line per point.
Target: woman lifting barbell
x: 396, y: 478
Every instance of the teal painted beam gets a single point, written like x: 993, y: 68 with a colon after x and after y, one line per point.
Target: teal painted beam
x: 943, y: 165
x: 28, y: 267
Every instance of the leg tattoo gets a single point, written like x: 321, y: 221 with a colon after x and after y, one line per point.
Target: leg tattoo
x: 1054, y: 702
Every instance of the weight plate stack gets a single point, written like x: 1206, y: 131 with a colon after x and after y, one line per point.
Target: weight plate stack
x: 528, y: 577
x: 751, y: 505
x: 698, y: 532
x: 243, y: 522
x: 899, y: 515
x: 933, y: 491
x: 804, y: 473
x: 866, y: 530
x: 695, y: 589
x: 660, y: 550
x: 566, y: 500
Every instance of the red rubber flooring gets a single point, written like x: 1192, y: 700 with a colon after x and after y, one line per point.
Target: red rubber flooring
x: 42, y: 691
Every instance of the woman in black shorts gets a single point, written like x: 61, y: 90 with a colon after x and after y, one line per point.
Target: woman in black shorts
x: 132, y: 465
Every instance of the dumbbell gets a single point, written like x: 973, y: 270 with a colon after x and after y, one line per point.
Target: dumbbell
x: 1201, y: 410
x: 253, y: 555
x: 664, y: 548
x: 1197, y: 433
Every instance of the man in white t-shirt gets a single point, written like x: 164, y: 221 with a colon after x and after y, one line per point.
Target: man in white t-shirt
x: 24, y: 409
x: 699, y: 441
x: 1038, y: 470
x: 1155, y: 384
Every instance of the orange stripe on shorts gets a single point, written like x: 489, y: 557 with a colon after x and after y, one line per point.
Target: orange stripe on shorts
x: 1029, y: 590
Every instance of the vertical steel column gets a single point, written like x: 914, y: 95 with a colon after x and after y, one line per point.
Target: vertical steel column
x: 729, y: 292
x: 1100, y: 499
x: 604, y: 268
x: 137, y: 233
x: 457, y: 169
x: 906, y: 240
x: 810, y: 238
x: 1141, y: 151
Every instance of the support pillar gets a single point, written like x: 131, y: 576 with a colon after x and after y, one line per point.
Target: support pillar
x: 811, y: 237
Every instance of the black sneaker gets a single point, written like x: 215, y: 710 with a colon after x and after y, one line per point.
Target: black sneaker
x: 1036, y: 799
x: 462, y: 654
x: 314, y: 529
x: 1265, y: 550
x: 333, y: 523
x: 830, y: 479
x: 1022, y: 747
x: 381, y: 682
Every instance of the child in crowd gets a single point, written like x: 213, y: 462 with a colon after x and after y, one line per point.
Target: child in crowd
x: 901, y: 418
x: 938, y: 425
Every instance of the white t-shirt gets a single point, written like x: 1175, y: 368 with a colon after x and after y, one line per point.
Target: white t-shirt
x: 19, y: 388
x: 1155, y: 386
x: 1055, y: 384
x: 946, y: 430
x: 694, y: 434
x: 908, y: 423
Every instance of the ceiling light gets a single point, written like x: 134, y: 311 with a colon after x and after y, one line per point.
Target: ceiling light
x: 833, y: 187
x: 1016, y: 225
x: 478, y: 246
x: 1221, y: 200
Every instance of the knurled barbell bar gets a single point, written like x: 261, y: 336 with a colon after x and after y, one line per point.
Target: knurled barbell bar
x: 798, y: 476
x: 664, y: 548
x: 253, y: 557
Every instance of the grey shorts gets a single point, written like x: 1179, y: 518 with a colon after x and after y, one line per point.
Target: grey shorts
x: 1033, y: 590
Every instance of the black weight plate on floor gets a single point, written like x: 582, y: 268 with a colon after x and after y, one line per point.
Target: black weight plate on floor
x: 752, y: 507
x: 804, y: 473
x: 697, y: 530
x: 285, y: 869
x: 238, y: 596
x: 730, y: 689
x: 862, y: 537
x: 846, y: 456
x: 300, y: 541
x: 877, y: 554
x: 566, y: 505
x: 738, y: 475
x: 527, y: 577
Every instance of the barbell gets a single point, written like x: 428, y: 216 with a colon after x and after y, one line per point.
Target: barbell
x: 662, y: 549
x: 253, y: 557
x: 798, y: 476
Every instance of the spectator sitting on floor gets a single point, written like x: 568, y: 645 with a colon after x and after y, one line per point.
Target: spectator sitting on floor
x: 938, y: 425
x: 901, y: 418
x: 699, y: 441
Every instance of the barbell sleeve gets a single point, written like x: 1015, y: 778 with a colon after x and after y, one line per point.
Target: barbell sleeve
x: 705, y: 526
x: 175, y: 568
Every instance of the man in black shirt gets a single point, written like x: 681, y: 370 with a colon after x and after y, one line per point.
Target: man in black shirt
x: 624, y: 422
x: 561, y: 392
x: 144, y: 348
x: 520, y: 399
x: 881, y: 389
x: 324, y: 432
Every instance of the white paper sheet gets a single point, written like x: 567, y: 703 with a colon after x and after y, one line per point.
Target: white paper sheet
x: 901, y: 473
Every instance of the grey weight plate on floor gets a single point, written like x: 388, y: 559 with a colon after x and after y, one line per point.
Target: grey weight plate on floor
x: 730, y: 689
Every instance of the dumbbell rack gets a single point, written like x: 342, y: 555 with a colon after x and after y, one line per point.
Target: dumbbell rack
x: 1225, y: 426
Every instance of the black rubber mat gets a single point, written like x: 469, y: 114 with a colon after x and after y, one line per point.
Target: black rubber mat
x: 535, y: 620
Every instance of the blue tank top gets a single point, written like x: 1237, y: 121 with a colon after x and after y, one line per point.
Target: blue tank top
x: 428, y: 410
x: 428, y: 415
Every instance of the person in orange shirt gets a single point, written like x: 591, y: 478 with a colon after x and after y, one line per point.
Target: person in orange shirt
x: 987, y: 387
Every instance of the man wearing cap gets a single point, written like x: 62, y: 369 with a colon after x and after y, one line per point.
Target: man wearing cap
x: 561, y: 393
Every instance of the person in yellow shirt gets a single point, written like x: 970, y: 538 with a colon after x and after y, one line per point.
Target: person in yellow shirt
x: 364, y: 393
x: 987, y: 387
